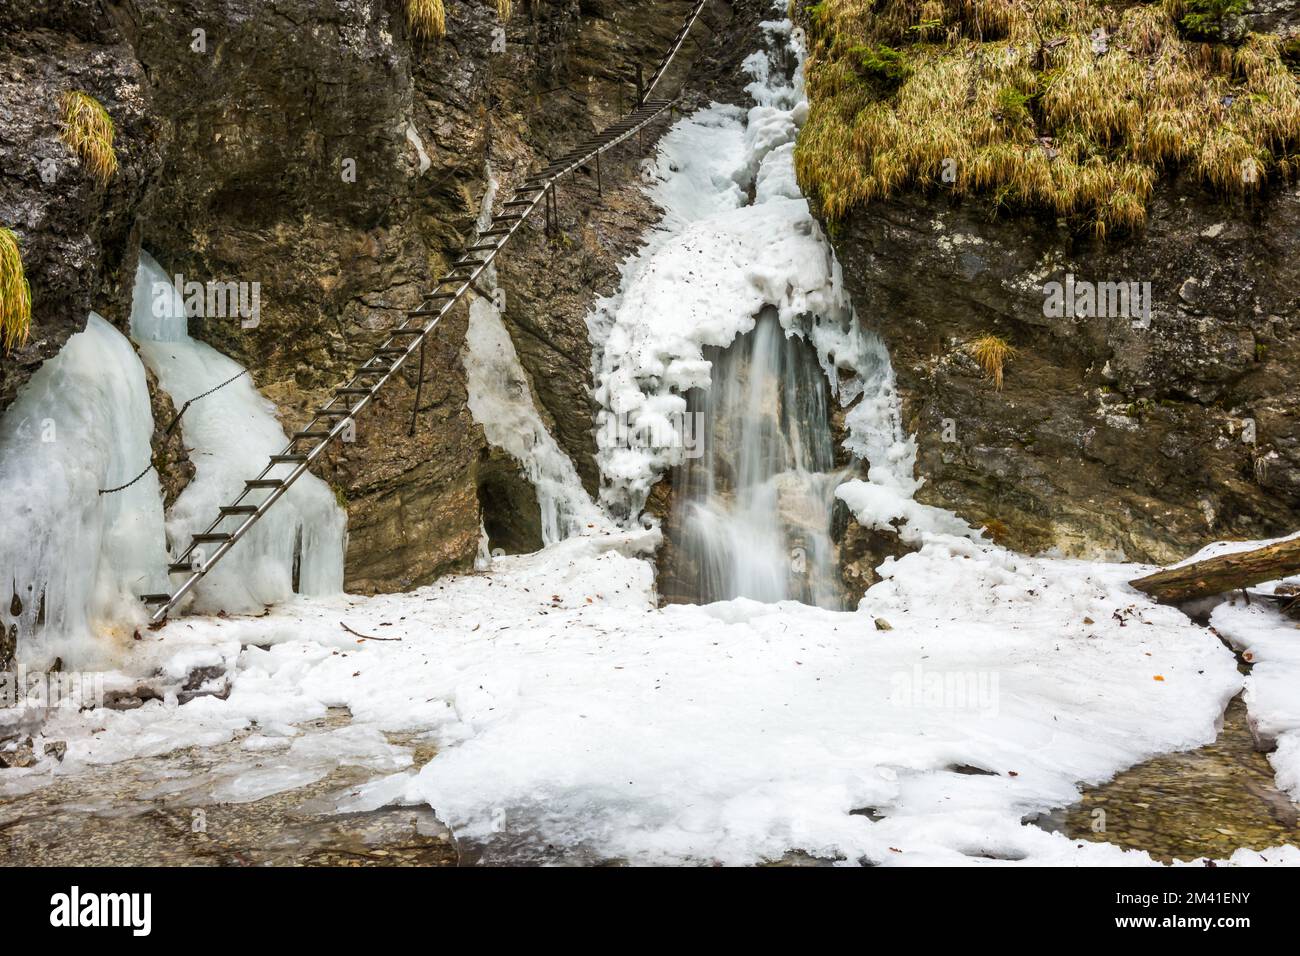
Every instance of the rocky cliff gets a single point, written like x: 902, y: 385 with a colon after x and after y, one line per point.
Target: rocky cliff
x: 323, y: 152
x: 1144, y: 429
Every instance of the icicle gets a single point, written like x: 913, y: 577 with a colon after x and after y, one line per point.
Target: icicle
x: 230, y: 434
x: 75, y: 559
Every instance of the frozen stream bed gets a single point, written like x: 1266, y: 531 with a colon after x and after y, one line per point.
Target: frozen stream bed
x: 573, y: 720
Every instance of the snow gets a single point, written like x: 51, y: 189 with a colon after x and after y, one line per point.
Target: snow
x: 82, y: 423
x: 571, y: 712
x: 230, y: 434
x: 1271, y: 643
x: 706, y: 272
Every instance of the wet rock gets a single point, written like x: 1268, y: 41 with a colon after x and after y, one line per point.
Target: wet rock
x: 1111, y: 435
x: 18, y: 755
x: 77, y: 237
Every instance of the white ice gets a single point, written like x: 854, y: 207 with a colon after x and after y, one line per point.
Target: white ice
x: 230, y: 435
x: 501, y: 400
x: 81, y: 424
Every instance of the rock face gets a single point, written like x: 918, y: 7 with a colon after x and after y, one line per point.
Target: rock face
x: 78, y: 239
x: 314, y: 149
x: 1111, y: 434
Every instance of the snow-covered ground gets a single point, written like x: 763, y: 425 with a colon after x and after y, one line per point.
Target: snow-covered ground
x: 571, y: 713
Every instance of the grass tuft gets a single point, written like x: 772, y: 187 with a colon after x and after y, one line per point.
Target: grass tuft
x: 88, y: 131
x: 15, y: 294
x: 1066, y: 106
x: 504, y: 9
x: 992, y: 353
x: 427, y: 18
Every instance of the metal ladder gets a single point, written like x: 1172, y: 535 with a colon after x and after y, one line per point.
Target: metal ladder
x: 333, y: 419
x: 674, y: 47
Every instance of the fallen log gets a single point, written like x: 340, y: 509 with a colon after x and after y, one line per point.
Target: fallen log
x: 1226, y: 572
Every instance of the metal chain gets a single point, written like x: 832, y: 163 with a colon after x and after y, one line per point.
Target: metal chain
x: 168, y: 430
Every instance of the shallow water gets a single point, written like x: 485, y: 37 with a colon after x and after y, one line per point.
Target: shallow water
x: 1206, y: 802
x: 123, y: 815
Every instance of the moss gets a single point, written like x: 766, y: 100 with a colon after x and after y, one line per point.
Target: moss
x: 88, y: 131
x: 15, y: 294
x: 1015, y: 99
x: 427, y: 18
x: 882, y: 67
x: 1212, y: 21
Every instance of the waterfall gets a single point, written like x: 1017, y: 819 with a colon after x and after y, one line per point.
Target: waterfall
x: 230, y: 433
x: 74, y: 559
x: 752, y: 513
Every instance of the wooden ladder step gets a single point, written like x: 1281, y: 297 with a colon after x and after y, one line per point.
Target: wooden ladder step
x: 396, y: 332
x: 288, y: 459
x: 333, y: 413
x: 180, y: 567
x: 263, y: 483
x: 352, y: 390
x: 155, y: 598
x: 211, y: 537
x: 305, y: 436
x: 238, y: 509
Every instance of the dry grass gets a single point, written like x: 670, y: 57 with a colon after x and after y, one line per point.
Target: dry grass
x: 15, y: 294
x: 504, y: 9
x: 1013, y: 94
x: 88, y: 131
x: 427, y: 18
x: 992, y: 352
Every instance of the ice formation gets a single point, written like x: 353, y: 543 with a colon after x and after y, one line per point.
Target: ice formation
x: 77, y: 560
x: 501, y: 400
x: 230, y: 434
x: 714, y: 263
